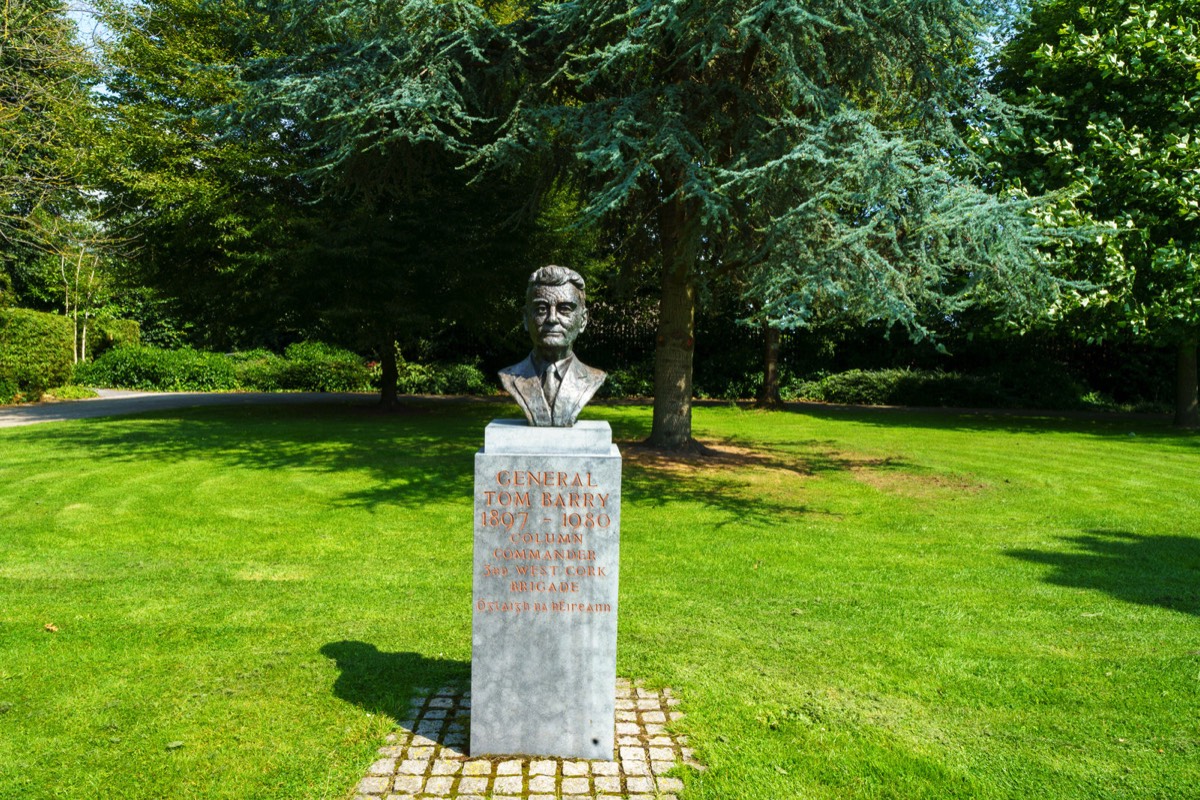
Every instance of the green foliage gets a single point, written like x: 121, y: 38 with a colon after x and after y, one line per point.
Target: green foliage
x: 307, y: 366
x: 260, y: 369
x: 1114, y: 95
x: 107, y: 333
x: 35, y: 353
x: 46, y: 123
x: 153, y: 369
x: 634, y: 380
x: 1049, y: 388
x: 469, y: 379
x: 318, y: 367
x: 70, y: 392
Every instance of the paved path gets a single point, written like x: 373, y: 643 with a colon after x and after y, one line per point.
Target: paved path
x: 426, y: 759
x: 112, y: 402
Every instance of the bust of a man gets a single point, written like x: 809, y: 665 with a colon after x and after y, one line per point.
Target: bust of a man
x: 551, y: 385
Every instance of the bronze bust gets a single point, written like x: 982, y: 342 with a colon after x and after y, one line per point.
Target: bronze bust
x: 551, y: 385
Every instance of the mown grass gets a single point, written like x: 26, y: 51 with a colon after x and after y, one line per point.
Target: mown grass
x: 851, y: 604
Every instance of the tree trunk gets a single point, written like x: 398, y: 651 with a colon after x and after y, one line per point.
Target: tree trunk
x: 388, y: 373
x: 1187, y: 407
x: 675, y: 344
x: 768, y: 396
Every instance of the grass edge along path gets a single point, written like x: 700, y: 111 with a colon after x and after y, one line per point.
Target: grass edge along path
x: 854, y: 604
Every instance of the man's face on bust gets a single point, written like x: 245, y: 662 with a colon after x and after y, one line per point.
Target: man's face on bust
x: 555, y: 316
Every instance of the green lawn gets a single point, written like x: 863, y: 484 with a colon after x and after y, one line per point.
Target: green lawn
x: 851, y: 604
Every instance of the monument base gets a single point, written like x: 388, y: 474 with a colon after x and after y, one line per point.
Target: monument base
x: 544, y: 627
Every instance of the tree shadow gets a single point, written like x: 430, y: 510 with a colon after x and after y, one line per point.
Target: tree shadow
x: 414, y: 457
x: 763, y: 483
x: 385, y: 683
x: 1159, y: 571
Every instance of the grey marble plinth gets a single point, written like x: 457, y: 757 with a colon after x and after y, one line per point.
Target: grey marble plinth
x: 547, y: 553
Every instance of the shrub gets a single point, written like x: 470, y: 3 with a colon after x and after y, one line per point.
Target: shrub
x: 109, y: 333
x: 70, y: 392
x: 1047, y: 388
x: 260, y: 370
x: 36, y: 352
x: 417, y: 378
x: 152, y: 368
x: 317, y: 367
x: 632, y: 381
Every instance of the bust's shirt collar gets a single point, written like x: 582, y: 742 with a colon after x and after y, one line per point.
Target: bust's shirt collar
x: 560, y: 367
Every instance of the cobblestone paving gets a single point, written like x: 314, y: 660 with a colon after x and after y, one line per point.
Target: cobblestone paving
x: 427, y: 757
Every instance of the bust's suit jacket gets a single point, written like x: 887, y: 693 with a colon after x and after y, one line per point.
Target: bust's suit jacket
x: 525, y: 385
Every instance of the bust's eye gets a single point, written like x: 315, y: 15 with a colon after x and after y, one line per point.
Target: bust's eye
x: 566, y: 308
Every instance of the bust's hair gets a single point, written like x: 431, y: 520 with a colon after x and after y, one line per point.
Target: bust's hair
x: 554, y: 275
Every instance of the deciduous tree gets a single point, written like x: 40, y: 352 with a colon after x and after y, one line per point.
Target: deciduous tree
x: 1118, y: 90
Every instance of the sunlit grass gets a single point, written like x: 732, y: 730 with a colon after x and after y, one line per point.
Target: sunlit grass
x: 869, y: 604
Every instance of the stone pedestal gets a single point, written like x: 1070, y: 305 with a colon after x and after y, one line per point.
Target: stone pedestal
x: 544, y: 630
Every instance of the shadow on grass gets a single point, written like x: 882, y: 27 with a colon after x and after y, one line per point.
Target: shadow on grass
x: 412, y: 458
x: 1150, y: 570
x: 761, y: 484
x: 384, y: 683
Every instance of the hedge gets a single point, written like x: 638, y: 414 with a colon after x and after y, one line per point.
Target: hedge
x: 36, y: 353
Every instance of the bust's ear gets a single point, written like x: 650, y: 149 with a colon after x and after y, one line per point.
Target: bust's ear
x: 583, y: 324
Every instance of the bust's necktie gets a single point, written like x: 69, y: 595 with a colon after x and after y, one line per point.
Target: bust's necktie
x: 550, y: 384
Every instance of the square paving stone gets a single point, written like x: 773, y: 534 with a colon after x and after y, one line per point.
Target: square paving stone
x: 633, y: 754
x: 413, y: 767
x: 635, y: 767
x: 574, y: 785
x: 373, y: 785
x: 608, y: 783
x: 659, y: 767
x: 384, y: 766
x: 421, y: 751
x: 653, y: 716
x: 477, y: 767
x: 509, y: 768
x: 662, y: 754
x: 541, y: 783
x: 605, y: 768
x: 445, y: 767
x: 575, y: 768
x: 543, y: 767
x: 636, y: 784
x: 475, y: 785
x: 439, y: 786
x: 508, y: 784
x: 409, y: 783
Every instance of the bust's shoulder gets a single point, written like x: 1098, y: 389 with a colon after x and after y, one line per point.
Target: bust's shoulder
x: 590, y: 374
x: 522, y: 369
